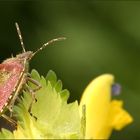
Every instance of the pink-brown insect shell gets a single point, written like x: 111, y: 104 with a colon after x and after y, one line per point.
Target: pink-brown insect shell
x: 20, y: 57
x: 11, y: 73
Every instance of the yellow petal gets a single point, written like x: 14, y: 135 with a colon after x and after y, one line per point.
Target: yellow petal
x: 102, y: 114
x: 118, y: 116
x: 97, y: 98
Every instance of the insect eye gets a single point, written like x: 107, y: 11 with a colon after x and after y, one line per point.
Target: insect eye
x: 116, y: 89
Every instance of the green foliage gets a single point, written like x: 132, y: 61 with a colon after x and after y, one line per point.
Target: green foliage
x: 5, y: 134
x: 52, y: 116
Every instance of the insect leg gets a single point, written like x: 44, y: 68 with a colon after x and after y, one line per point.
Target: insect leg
x: 33, y: 81
x: 10, y: 106
x: 14, y: 123
x: 32, y: 91
x: 32, y: 94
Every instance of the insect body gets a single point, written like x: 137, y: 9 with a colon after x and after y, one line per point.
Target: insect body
x: 14, y: 76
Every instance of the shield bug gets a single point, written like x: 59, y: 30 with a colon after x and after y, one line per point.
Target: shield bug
x: 14, y: 76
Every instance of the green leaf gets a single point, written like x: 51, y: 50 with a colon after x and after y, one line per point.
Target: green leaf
x: 51, y: 76
x: 65, y: 94
x: 58, y: 86
x: 51, y: 116
x: 6, y: 134
x: 35, y: 75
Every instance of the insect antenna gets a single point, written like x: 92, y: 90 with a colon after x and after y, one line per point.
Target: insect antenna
x: 48, y: 43
x: 20, y: 37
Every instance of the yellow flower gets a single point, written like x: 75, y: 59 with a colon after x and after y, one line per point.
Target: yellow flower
x: 103, y: 114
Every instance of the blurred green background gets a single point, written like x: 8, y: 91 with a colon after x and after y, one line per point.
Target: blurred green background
x: 102, y: 37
